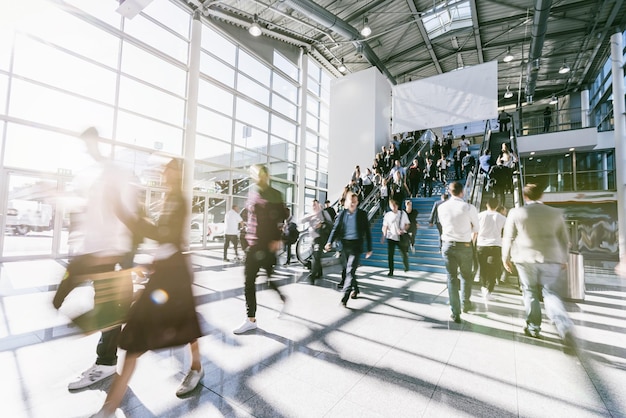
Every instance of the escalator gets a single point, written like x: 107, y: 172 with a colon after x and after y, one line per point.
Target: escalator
x: 476, y: 181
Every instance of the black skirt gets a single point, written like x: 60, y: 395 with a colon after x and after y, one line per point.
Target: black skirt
x: 165, y: 313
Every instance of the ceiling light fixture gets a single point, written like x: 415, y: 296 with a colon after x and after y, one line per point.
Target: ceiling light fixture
x: 508, y: 93
x: 554, y: 100
x: 255, y: 28
x: 564, y: 68
x: 508, y: 57
x: 342, y: 67
x: 366, y: 31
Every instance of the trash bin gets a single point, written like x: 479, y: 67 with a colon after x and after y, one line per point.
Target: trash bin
x: 575, y: 287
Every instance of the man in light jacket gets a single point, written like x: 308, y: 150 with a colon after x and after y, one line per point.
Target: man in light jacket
x: 536, y: 240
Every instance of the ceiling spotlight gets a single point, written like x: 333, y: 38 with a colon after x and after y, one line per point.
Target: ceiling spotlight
x: 342, y: 68
x: 554, y: 100
x: 508, y: 93
x: 366, y: 31
x: 255, y: 28
x: 564, y: 68
x: 508, y: 57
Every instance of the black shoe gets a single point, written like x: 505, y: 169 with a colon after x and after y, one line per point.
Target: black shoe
x: 312, y: 278
x: 354, y: 294
x: 456, y: 318
x: 226, y: 259
x: 533, y: 334
x: 340, y: 285
x: 390, y: 274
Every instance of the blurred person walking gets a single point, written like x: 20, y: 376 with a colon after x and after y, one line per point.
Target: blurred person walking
x: 164, y: 315
x: 536, y: 241
x: 266, y: 214
x: 320, y: 225
x: 232, y: 224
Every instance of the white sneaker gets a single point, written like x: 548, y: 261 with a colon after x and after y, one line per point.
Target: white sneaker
x: 246, y: 326
x: 190, y: 382
x: 96, y: 373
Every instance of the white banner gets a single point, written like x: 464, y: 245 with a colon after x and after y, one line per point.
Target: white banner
x: 462, y: 96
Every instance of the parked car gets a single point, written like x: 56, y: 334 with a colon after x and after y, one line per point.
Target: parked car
x: 24, y: 216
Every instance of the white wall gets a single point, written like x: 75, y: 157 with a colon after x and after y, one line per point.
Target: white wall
x: 559, y: 141
x: 360, y: 106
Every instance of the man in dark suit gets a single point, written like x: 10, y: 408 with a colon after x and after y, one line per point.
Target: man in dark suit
x: 351, y: 227
x: 535, y: 239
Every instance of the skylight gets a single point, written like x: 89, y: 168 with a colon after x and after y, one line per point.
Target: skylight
x: 447, y: 16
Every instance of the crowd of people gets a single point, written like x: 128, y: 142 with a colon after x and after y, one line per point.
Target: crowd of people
x: 532, y: 240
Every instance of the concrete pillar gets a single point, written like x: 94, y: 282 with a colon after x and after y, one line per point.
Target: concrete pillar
x: 304, y: 77
x: 620, y: 136
x: 191, y: 111
x: 584, y: 108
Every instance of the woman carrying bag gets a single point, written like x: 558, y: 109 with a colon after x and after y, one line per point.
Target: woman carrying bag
x: 395, y: 230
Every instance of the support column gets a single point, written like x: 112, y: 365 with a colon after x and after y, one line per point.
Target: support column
x: 304, y: 76
x: 191, y: 112
x: 620, y: 136
x: 584, y: 108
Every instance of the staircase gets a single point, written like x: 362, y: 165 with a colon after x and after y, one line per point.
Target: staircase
x: 426, y: 256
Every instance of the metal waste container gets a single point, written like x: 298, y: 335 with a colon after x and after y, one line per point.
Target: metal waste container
x: 575, y: 286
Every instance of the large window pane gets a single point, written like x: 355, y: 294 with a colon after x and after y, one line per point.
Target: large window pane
x: 217, y: 70
x: 215, y: 125
x: 51, y: 107
x: 154, y: 70
x: 211, y: 179
x: 243, y: 158
x: 279, y: 148
x: 284, y: 87
x: 154, y: 35
x: 254, y: 68
x: 149, y: 101
x: 99, y: 9
x: 170, y: 15
x: 285, y: 107
x: 213, y: 151
x: 31, y: 148
x: 133, y: 129
x: 61, y: 29
x: 6, y: 45
x: 251, y: 138
x: 251, y: 114
x: 218, y: 45
x: 253, y: 90
x: 4, y: 83
x: 283, y: 128
x: 286, y: 66
x: 216, y: 98
x: 63, y: 70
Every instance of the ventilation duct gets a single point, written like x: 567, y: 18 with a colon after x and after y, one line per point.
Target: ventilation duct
x: 538, y: 33
x: 322, y: 16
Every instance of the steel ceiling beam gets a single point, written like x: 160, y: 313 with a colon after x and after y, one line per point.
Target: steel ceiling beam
x: 420, y: 25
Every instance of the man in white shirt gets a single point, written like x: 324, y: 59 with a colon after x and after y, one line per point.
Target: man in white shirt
x: 489, y: 246
x: 105, y: 191
x: 395, y: 223
x: 232, y: 224
x: 459, y: 226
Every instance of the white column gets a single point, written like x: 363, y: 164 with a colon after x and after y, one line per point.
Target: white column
x: 191, y: 111
x: 584, y: 108
x: 620, y: 136
x: 304, y: 75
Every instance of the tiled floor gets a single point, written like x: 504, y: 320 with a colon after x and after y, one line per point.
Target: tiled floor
x: 392, y: 353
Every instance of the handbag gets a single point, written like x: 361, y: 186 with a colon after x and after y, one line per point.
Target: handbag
x: 404, y: 238
x: 107, y: 300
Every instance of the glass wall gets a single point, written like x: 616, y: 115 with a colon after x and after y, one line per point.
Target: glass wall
x: 54, y: 83
x: 572, y: 171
